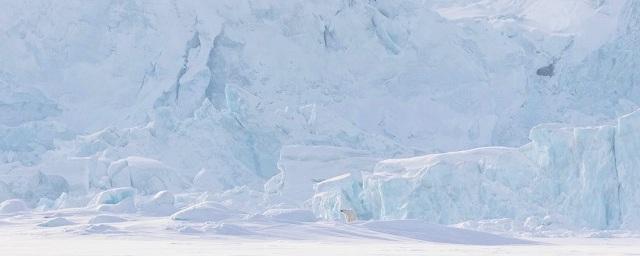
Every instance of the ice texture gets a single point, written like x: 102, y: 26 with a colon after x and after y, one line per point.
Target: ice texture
x: 575, y: 176
x: 207, y: 180
x: 258, y: 104
x: 342, y: 192
x: 127, y: 205
x: 300, y: 167
x: 627, y: 162
x: 199, y: 94
x: 117, y: 200
x: 33, y: 186
x: 13, y: 206
x: 147, y: 176
x: 113, y: 196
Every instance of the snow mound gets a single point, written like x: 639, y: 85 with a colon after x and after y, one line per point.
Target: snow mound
x: 13, y: 206
x: 161, y: 204
x: 117, y: 200
x: 56, y: 222
x: 423, y: 231
x: 229, y: 229
x: 101, y: 229
x: 125, y: 206
x: 205, y: 211
x: 290, y: 215
x: 106, y: 219
x: 113, y: 196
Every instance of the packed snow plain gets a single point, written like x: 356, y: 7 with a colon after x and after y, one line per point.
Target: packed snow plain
x: 245, y: 127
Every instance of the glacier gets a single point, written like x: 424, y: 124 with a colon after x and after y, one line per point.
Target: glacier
x: 515, y: 111
x: 566, y: 177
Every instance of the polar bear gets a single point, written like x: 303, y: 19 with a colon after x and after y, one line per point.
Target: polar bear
x: 349, y: 215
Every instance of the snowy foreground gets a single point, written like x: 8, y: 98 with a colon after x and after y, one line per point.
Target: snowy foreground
x: 82, y: 232
x: 151, y: 246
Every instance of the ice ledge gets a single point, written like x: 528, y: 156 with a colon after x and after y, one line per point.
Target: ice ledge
x: 570, y: 177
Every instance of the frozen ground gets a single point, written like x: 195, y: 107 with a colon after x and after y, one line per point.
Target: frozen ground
x: 130, y: 234
x: 120, y: 246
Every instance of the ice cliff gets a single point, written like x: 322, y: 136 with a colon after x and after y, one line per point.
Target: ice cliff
x: 572, y: 176
x: 255, y: 103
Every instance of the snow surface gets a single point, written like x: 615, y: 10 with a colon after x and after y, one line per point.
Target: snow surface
x: 162, y: 203
x: 141, y: 235
x: 99, y: 219
x: 145, y: 246
x: 295, y: 215
x: 56, y: 222
x: 205, y: 211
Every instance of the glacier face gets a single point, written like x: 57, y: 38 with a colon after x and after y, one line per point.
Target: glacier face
x: 223, y: 96
x: 573, y: 176
x: 303, y: 167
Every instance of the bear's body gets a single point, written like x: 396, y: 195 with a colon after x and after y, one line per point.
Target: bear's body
x: 349, y: 215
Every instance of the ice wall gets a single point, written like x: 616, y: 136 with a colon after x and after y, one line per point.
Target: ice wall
x: 303, y: 167
x: 215, y: 91
x: 576, y: 177
x: 627, y: 144
x: 240, y: 79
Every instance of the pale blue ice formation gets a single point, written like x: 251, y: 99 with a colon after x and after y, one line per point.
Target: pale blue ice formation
x: 157, y: 106
x: 577, y: 176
